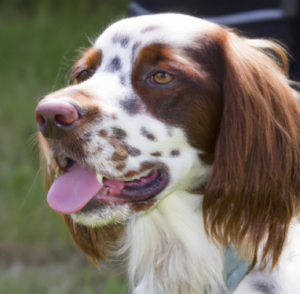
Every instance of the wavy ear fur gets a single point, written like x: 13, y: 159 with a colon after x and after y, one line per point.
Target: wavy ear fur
x: 94, y: 242
x: 254, y: 188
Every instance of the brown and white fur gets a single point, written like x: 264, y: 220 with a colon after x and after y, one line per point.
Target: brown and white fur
x: 225, y: 130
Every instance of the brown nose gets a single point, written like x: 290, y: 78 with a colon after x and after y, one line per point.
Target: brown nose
x: 60, y: 113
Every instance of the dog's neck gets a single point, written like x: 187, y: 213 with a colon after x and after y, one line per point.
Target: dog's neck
x: 169, y: 252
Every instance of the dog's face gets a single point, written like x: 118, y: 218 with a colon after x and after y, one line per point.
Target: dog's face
x: 164, y: 103
x: 142, y: 115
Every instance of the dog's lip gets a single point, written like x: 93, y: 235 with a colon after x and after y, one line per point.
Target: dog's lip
x: 138, y: 190
x: 77, y: 186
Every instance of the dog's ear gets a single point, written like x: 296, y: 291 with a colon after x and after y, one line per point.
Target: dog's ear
x: 94, y: 242
x: 254, y: 188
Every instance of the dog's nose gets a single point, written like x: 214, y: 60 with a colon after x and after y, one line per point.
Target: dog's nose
x: 60, y: 113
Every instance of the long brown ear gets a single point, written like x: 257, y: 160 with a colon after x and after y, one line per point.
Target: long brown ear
x: 94, y: 242
x: 254, y: 188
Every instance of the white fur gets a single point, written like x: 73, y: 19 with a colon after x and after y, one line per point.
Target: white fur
x: 169, y: 251
x: 284, y: 279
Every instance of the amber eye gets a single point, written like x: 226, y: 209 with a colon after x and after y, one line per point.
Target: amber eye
x: 83, y: 76
x: 161, y: 78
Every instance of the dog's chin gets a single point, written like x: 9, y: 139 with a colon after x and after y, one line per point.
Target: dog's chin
x: 97, y: 213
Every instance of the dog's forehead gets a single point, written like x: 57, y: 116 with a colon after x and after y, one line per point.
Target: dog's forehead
x: 173, y: 29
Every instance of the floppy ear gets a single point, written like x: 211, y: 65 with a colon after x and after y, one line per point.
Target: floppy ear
x: 94, y: 242
x: 254, y: 188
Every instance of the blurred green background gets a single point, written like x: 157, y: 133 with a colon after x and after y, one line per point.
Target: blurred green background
x: 39, y: 42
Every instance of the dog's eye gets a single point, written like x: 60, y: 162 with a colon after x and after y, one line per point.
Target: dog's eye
x: 161, y: 78
x: 83, y: 76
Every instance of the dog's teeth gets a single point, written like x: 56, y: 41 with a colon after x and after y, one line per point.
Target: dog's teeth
x: 143, y: 174
x: 100, y: 179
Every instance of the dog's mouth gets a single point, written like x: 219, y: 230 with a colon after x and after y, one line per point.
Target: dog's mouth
x: 74, y: 189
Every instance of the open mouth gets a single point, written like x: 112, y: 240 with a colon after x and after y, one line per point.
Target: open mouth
x: 140, y: 189
x: 74, y: 189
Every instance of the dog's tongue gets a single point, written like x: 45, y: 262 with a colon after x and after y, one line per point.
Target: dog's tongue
x: 73, y: 190
x: 114, y: 184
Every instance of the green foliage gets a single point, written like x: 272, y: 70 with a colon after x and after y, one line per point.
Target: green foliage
x: 57, y: 279
x: 39, y: 42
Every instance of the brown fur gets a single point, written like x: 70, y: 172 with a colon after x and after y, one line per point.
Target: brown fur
x: 242, y: 113
x: 253, y: 191
x: 192, y: 101
x: 94, y: 242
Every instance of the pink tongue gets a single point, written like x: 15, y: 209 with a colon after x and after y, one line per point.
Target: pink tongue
x: 73, y: 190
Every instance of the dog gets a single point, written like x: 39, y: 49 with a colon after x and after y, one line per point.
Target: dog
x: 178, y: 138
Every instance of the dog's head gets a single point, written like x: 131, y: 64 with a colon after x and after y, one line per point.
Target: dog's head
x: 169, y: 102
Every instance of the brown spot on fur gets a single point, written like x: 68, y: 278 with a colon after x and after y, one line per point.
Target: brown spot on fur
x: 119, y: 156
x: 143, y: 205
x: 122, y: 40
x: 133, y: 151
x: 131, y: 173
x: 103, y: 133
x: 145, y: 166
x: 156, y: 154
x: 131, y: 105
x: 148, y: 165
x: 114, y: 65
x: 175, y: 153
x: 87, y: 136
x: 90, y: 115
x: 120, y: 167
x: 147, y: 134
x: 119, y: 132
x: 114, y: 116
x: 121, y: 152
